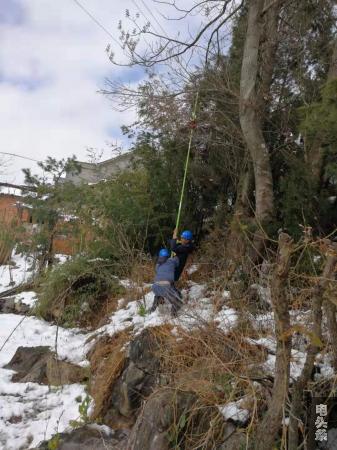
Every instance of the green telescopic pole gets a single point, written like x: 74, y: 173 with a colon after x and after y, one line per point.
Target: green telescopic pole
x: 186, y: 163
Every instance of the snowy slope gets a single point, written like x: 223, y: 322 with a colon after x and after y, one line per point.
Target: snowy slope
x: 29, y: 412
x: 13, y: 275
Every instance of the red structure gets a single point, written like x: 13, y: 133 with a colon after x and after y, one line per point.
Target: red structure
x: 11, y: 209
x: 13, y: 212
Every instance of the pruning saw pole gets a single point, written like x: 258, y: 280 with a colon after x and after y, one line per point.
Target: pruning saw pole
x: 192, y: 128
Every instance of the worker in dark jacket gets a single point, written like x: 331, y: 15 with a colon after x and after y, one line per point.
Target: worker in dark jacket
x: 182, y: 249
x: 163, y: 286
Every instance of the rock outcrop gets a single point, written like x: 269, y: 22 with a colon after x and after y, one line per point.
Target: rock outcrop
x: 9, y: 305
x: 153, y: 426
x: 129, y: 385
x: 172, y: 418
x: 40, y: 365
x: 88, y: 437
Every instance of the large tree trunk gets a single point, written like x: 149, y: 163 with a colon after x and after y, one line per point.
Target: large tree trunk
x: 243, y: 205
x: 271, y: 423
x: 47, y: 257
x: 254, y: 96
x: 236, y: 245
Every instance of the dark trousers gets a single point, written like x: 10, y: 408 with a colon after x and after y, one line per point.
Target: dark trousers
x: 170, y: 293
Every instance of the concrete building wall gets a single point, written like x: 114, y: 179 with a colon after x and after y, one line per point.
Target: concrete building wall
x: 93, y: 173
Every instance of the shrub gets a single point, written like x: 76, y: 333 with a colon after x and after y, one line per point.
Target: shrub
x: 73, y: 292
x: 9, y: 232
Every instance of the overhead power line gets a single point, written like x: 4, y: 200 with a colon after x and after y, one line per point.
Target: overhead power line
x: 19, y: 156
x: 159, y: 25
x: 146, y: 18
x: 97, y: 22
x: 156, y: 20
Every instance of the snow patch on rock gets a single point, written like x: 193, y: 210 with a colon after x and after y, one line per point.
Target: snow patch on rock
x: 233, y: 411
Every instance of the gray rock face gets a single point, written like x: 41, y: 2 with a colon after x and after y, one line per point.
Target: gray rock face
x: 9, y: 306
x: 40, y: 365
x: 30, y: 364
x: 233, y: 438
x: 90, y: 438
x: 135, y: 382
x: 151, y: 431
x: 62, y: 372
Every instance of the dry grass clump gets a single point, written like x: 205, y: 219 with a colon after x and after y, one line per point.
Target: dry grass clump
x: 135, y: 292
x: 214, y: 365
x: 216, y: 368
x: 107, y: 360
x: 198, y: 426
x: 142, y: 271
x: 107, y: 307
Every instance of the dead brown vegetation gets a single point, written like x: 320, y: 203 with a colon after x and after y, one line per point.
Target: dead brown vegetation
x: 218, y: 367
x: 107, y: 359
x: 206, y: 361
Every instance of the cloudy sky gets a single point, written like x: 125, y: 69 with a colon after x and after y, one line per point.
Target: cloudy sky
x: 52, y: 63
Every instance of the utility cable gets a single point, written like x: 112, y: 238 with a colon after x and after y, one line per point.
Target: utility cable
x: 18, y: 156
x: 97, y: 22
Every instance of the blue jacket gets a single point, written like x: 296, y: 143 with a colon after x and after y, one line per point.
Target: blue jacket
x: 165, y: 269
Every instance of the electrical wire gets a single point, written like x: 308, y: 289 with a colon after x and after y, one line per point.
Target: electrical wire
x: 19, y: 156
x: 97, y: 22
x: 156, y: 20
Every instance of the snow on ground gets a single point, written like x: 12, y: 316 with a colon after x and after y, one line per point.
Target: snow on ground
x: 263, y: 322
x: 197, y: 310
x: 29, y: 331
x: 12, y: 275
x: 297, y: 357
x: 20, y: 270
x: 227, y: 318
x: 268, y: 342
x: 61, y: 259
x: 28, y: 298
x: 196, y: 291
x: 234, y: 412
x: 31, y: 413
x: 296, y: 364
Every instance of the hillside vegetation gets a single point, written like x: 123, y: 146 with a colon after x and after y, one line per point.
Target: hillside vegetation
x: 258, y: 327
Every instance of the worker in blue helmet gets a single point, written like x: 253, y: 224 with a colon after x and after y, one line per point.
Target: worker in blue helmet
x: 163, y: 286
x: 182, y: 248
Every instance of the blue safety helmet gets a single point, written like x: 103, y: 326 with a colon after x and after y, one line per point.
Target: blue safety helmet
x: 187, y: 235
x: 164, y: 252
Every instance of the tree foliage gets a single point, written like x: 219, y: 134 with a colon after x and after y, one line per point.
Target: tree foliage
x: 50, y: 197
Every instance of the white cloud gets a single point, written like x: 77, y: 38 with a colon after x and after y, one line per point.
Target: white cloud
x: 52, y: 63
